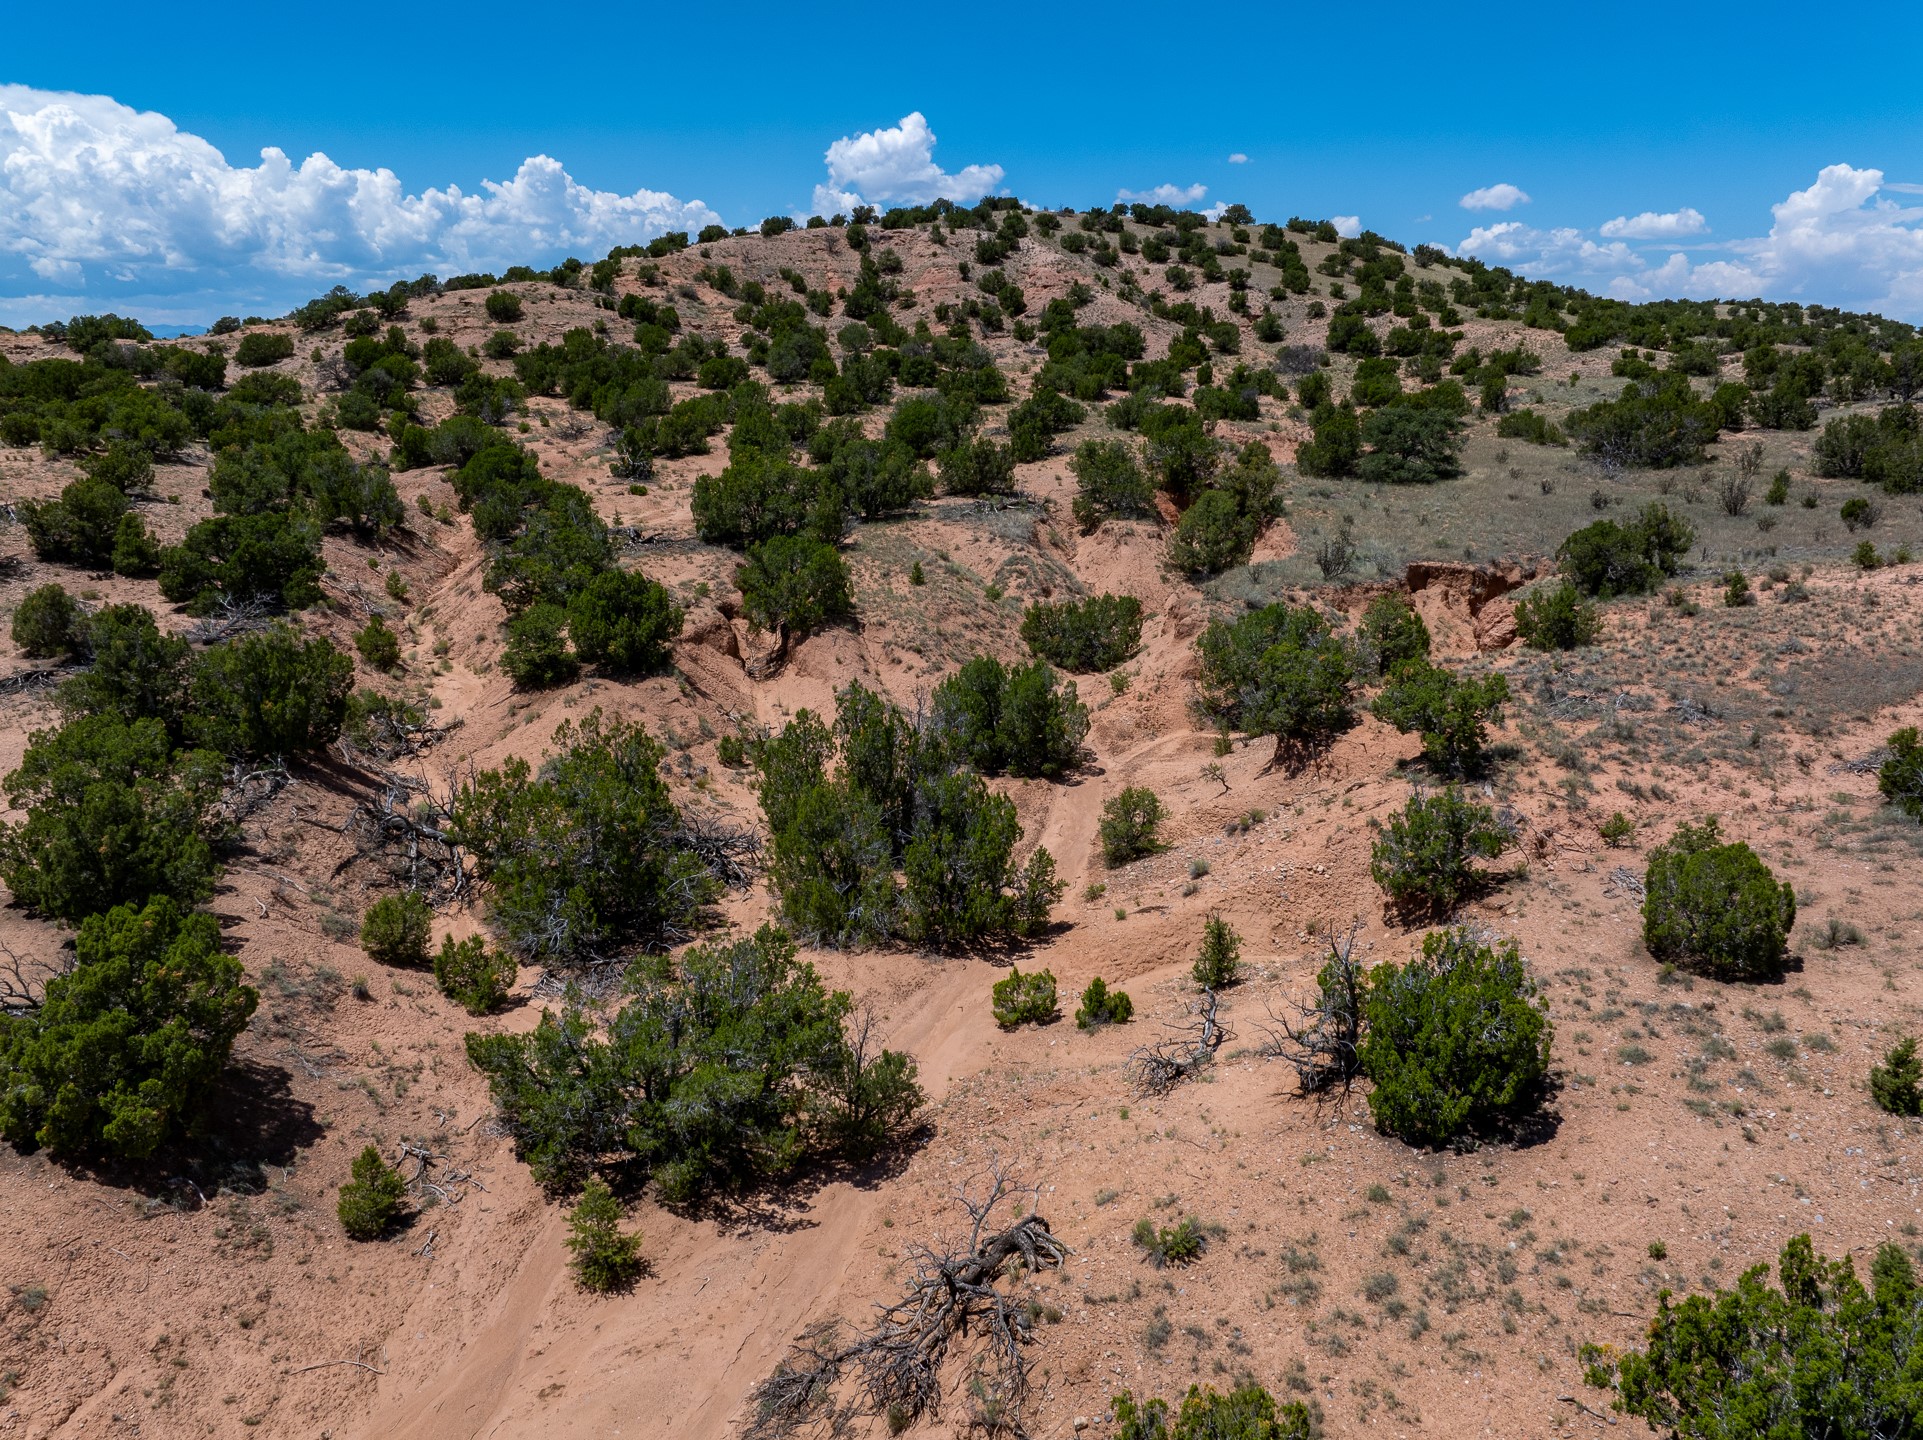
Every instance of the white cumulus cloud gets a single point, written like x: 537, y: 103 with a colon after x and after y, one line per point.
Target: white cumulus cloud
x: 1495, y: 197
x: 896, y: 164
x: 1542, y: 252
x: 1164, y: 195
x: 114, y: 203
x: 1656, y: 225
x: 1238, y: 158
x: 1347, y: 226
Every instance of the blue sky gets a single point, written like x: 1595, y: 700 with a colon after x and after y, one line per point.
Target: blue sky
x: 1684, y: 128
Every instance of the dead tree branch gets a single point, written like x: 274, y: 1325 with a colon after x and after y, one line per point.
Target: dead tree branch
x: 894, y: 1368
x: 407, y: 830
x: 1323, y: 1041
x: 21, y: 994
x: 1158, y: 1068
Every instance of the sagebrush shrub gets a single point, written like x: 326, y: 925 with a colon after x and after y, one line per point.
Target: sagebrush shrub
x: 1716, y: 907
x: 371, y: 1201
x: 394, y: 931
x: 1455, y: 1038
x: 1020, y: 999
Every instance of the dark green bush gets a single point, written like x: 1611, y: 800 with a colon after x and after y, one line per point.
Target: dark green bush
x: 125, y: 466
x: 124, y: 1050
x: 1392, y: 633
x: 721, y: 1068
x: 1656, y: 423
x: 1018, y: 721
x: 1450, y: 713
x: 1084, y: 636
x: 471, y: 975
x: 1455, y: 1039
x: 1716, y: 908
x: 113, y: 816
x: 1129, y: 826
x: 395, y: 929
x: 537, y: 656
x: 1423, y: 860
x: 1179, y: 1244
x: 269, y: 694
x: 794, y: 585
x: 1278, y: 671
x: 503, y: 307
x: 136, y: 553
x: 606, y: 1258
x: 379, y: 646
x: 1020, y: 999
x: 138, y: 673
x: 1102, y: 1006
x: 1821, y: 1355
x: 1220, y: 961
x: 271, y: 558
x: 80, y: 527
x: 1409, y: 446
x: 1109, y: 484
x: 371, y: 1202
x: 1247, y: 1412
x: 260, y: 348
x: 1900, y: 778
x: 1897, y: 1084
x: 49, y: 623
x: 581, y: 859
x: 1606, y: 559
x: 623, y: 621
x: 978, y: 467
x: 1557, y: 618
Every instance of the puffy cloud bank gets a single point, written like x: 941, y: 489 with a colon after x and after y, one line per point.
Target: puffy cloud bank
x: 896, y: 165
x: 1495, y: 197
x: 1844, y: 241
x: 103, y: 205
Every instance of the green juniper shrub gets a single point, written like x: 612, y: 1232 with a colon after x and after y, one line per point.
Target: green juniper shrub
x: 1219, y: 963
x: 978, y: 467
x: 1392, y: 633
x: 379, y: 646
x: 49, y: 624
x: 1607, y: 559
x: 1897, y: 1084
x: 274, y: 693
x: 723, y: 1067
x: 537, y: 655
x: 1715, y: 907
x: 136, y: 554
x: 138, y: 673
x: 124, y: 1050
x: 503, y: 307
x: 794, y: 585
x: 606, y: 1258
x: 1102, y: 1006
x: 1248, y: 1412
x: 371, y: 1202
x: 1179, y: 1244
x: 623, y: 621
x: 114, y: 814
x: 1901, y: 776
x: 1736, y: 591
x: 395, y: 929
x: 1860, y: 513
x: 271, y: 558
x: 1017, y: 721
x: 1454, y: 1039
x: 1019, y: 999
x: 1450, y: 713
x: 473, y: 976
x: 129, y: 468
x: 260, y: 349
x: 1778, y: 492
x: 1819, y: 1354
x: 1278, y: 671
x: 80, y: 527
x: 1109, y: 484
x: 1864, y: 556
x: 1084, y: 636
x: 1423, y: 859
x: 1408, y: 445
x: 1557, y: 618
x: 1129, y: 826
x: 1616, y: 829
x: 580, y: 857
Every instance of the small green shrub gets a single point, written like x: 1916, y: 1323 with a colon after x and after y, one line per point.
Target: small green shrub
x: 1616, y: 829
x: 1455, y: 1039
x: 1716, y: 908
x: 1901, y: 776
x: 1220, y: 962
x: 503, y: 306
x: 471, y: 975
x: 1178, y: 1244
x: 1423, y: 858
x: 1736, y: 591
x: 1557, y: 619
x: 49, y: 622
x: 1084, y: 637
x: 1450, y: 713
x: 1102, y: 1006
x: 371, y: 1201
x: 1247, y: 1412
x: 1020, y: 999
x: 1864, y: 556
x: 379, y: 646
x: 261, y: 349
x: 1392, y: 633
x: 395, y: 929
x: 1129, y: 826
x: 605, y: 1257
x: 1897, y: 1084
x: 1607, y: 559
x: 537, y: 655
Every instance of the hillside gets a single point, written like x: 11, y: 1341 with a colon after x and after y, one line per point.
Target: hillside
x: 1689, y: 1126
